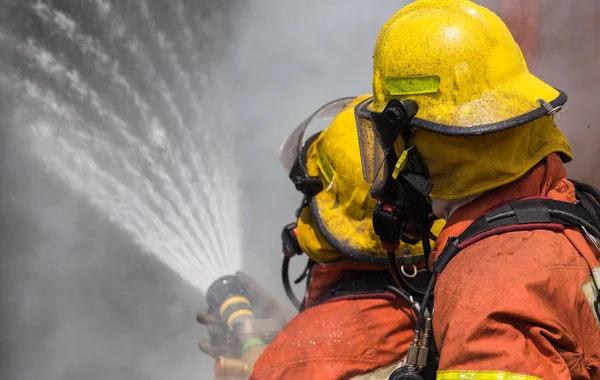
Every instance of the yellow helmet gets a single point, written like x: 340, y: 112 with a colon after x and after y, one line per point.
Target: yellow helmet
x: 338, y: 222
x: 460, y: 64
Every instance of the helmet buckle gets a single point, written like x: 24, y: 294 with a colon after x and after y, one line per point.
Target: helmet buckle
x: 551, y: 111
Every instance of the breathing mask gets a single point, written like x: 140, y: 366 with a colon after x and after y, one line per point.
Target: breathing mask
x: 400, y: 183
x: 293, y: 150
x: 293, y: 158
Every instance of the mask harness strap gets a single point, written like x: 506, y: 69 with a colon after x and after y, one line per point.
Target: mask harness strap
x: 291, y: 248
x: 401, y: 199
x: 403, y: 209
x: 308, y: 186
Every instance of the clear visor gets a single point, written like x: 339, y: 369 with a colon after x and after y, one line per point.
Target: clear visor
x: 372, y: 152
x: 294, y: 143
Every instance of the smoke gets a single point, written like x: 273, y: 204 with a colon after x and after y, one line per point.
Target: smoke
x: 568, y: 59
x: 565, y: 55
x: 292, y: 57
x: 79, y: 299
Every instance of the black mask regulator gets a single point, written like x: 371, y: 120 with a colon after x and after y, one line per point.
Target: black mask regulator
x: 403, y: 210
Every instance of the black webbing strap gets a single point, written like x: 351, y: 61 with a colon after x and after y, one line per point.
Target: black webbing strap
x: 525, y: 214
x: 587, y: 188
x: 590, y: 205
x: 368, y: 282
x: 589, y: 197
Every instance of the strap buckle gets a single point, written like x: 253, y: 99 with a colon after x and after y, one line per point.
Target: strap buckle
x: 551, y: 111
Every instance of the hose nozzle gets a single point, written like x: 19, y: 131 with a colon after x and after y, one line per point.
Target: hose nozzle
x: 229, y: 298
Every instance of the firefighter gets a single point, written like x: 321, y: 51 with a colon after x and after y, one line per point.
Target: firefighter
x: 354, y: 319
x: 460, y: 125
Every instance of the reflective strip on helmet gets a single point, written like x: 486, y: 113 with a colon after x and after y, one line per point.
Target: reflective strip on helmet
x: 412, y: 86
x: 482, y: 375
x: 323, y: 163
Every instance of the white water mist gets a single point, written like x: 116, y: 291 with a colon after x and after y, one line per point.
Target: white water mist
x: 129, y: 118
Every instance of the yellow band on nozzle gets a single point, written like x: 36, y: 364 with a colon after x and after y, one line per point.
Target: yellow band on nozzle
x: 231, y: 301
x: 238, y: 313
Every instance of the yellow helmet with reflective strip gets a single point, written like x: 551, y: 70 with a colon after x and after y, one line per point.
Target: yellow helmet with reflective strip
x: 483, y: 119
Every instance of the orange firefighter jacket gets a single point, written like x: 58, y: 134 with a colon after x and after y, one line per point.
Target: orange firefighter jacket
x: 339, y: 339
x: 520, y: 305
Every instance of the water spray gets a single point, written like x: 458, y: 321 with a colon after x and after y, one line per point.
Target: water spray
x: 129, y: 116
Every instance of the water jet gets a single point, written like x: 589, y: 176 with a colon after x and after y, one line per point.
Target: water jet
x: 121, y: 106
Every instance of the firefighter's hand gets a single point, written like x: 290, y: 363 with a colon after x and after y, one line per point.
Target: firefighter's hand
x: 220, y: 341
x: 263, y: 304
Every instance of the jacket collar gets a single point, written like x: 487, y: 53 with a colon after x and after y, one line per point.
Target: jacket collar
x: 548, y: 178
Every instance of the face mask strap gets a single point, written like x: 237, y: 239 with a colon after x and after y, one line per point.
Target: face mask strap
x: 306, y: 184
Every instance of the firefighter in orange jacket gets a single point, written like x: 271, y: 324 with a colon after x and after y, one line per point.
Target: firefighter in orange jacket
x: 458, y: 122
x: 353, y: 319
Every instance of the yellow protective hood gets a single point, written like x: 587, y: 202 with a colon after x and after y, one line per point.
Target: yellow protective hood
x: 340, y: 222
x: 463, y: 166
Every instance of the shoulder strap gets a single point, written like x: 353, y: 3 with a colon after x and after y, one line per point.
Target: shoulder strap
x: 521, y: 215
x: 371, y: 284
x: 586, y: 187
x: 589, y: 197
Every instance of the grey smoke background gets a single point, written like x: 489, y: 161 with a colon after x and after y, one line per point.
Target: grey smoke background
x: 293, y: 58
x: 79, y: 300
x: 569, y: 57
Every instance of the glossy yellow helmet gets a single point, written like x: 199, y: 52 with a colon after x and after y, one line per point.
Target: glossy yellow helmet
x: 482, y: 119
x: 337, y: 223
